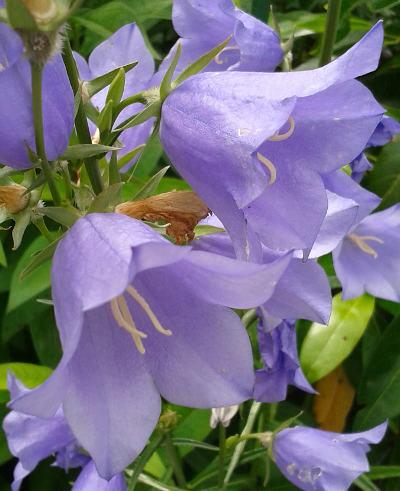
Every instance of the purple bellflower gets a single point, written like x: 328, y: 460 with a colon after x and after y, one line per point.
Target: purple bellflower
x: 125, y: 46
x: 33, y: 439
x: 202, y: 25
x: 316, y: 460
x: 139, y: 317
x: 278, y: 349
x: 368, y: 259
x: 250, y: 147
x: 383, y: 134
x: 16, y: 104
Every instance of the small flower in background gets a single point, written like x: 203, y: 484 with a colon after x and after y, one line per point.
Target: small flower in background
x: 32, y: 439
x: 249, y: 142
x: 139, y: 317
x: 15, y: 102
x: 222, y: 415
x: 316, y: 460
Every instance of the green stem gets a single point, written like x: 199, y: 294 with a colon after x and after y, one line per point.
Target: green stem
x: 249, y: 317
x: 36, y: 76
x: 175, y: 462
x: 41, y: 226
x: 221, y: 460
x: 139, y: 97
x: 81, y: 124
x: 142, y: 461
x: 240, y: 446
x: 113, y: 170
x: 328, y: 41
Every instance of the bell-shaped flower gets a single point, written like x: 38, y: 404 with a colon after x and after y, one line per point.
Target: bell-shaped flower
x: 368, y: 259
x: 278, y: 349
x: 16, y: 104
x: 125, y: 46
x: 250, y: 147
x: 316, y: 460
x: 33, y: 439
x: 203, y: 25
x: 138, y: 317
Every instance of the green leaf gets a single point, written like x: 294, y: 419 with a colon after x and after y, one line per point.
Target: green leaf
x: 151, y: 185
x: 29, y: 374
x: 64, y: 216
x: 384, y: 179
x: 105, y: 119
x: 325, y: 347
x: 380, y: 384
x: 22, y: 220
x: 188, y: 442
x: 117, y: 87
x: 45, y: 338
x: 364, y: 483
x: 19, y: 16
x: 201, y: 230
x: 151, y: 154
x: 150, y: 111
x: 125, y: 159
x: 142, y: 461
x: 84, y: 150
x: 377, y: 5
x: 99, y: 83
x: 106, y: 200
x: 200, y: 63
x: 30, y: 287
x: 165, y: 87
x: 39, y: 258
x: 3, y: 258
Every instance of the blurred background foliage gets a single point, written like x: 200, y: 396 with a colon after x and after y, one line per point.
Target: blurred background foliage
x: 366, y: 385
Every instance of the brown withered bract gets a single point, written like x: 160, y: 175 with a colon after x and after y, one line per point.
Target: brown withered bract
x: 181, y: 209
x: 13, y: 198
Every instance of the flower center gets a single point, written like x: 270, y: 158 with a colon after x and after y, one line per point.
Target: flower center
x: 220, y: 61
x: 359, y: 241
x: 277, y: 137
x: 123, y: 317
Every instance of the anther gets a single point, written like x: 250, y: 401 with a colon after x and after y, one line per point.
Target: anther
x: 277, y: 137
x: 269, y: 165
x: 359, y: 240
x: 124, y: 319
x: 217, y: 58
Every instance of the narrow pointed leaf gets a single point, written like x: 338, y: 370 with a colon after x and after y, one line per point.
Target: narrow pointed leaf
x: 151, y: 111
x: 38, y: 259
x: 142, y: 461
x: 165, y: 87
x: 64, y: 216
x: 129, y: 156
x: 81, y: 151
x: 22, y: 220
x: 151, y: 185
x: 116, y: 88
x: 194, y: 443
x: 98, y: 83
x: 105, y: 119
x: 325, y: 347
x: 199, y: 64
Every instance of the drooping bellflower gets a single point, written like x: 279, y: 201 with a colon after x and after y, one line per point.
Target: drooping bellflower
x: 316, y: 460
x: 33, y: 439
x: 139, y: 317
x: 16, y: 104
x: 250, y: 147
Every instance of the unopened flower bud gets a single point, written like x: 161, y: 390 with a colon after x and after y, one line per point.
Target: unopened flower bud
x: 13, y: 198
x: 222, y: 415
x: 43, y: 11
x: 168, y: 420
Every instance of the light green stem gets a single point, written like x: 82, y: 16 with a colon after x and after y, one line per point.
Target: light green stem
x: 240, y: 446
x: 175, y: 462
x: 328, y: 41
x: 221, y: 460
x: 36, y: 77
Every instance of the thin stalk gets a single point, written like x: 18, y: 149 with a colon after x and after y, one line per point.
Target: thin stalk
x: 81, y: 124
x: 240, y: 446
x: 36, y: 77
x: 41, y: 226
x: 249, y: 317
x: 175, y: 462
x: 221, y: 459
x: 142, y: 461
x: 328, y: 41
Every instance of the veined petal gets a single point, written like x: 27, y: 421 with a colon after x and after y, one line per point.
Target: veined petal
x: 10, y: 47
x: 89, y: 480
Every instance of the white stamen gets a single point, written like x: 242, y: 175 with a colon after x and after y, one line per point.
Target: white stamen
x: 146, y: 307
x: 277, y: 137
x: 124, y: 319
x: 96, y: 136
x: 217, y: 58
x: 359, y: 240
x: 243, y: 131
x: 269, y: 165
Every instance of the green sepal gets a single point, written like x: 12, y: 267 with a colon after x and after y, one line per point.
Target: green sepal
x: 105, y: 121
x: 200, y: 63
x: 130, y: 155
x: 33, y: 157
x: 202, y: 230
x: 84, y: 150
x: 150, y: 111
x: 99, y: 83
x: 106, y: 200
x: 117, y: 87
x: 19, y: 16
x: 63, y: 216
x: 151, y: 185
x: 39, y: 258
x: 165, y: 87
x: 36, y: 183
x: 22, y: 220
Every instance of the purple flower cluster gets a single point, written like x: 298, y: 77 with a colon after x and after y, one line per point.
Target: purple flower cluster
x: 141, y: 318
